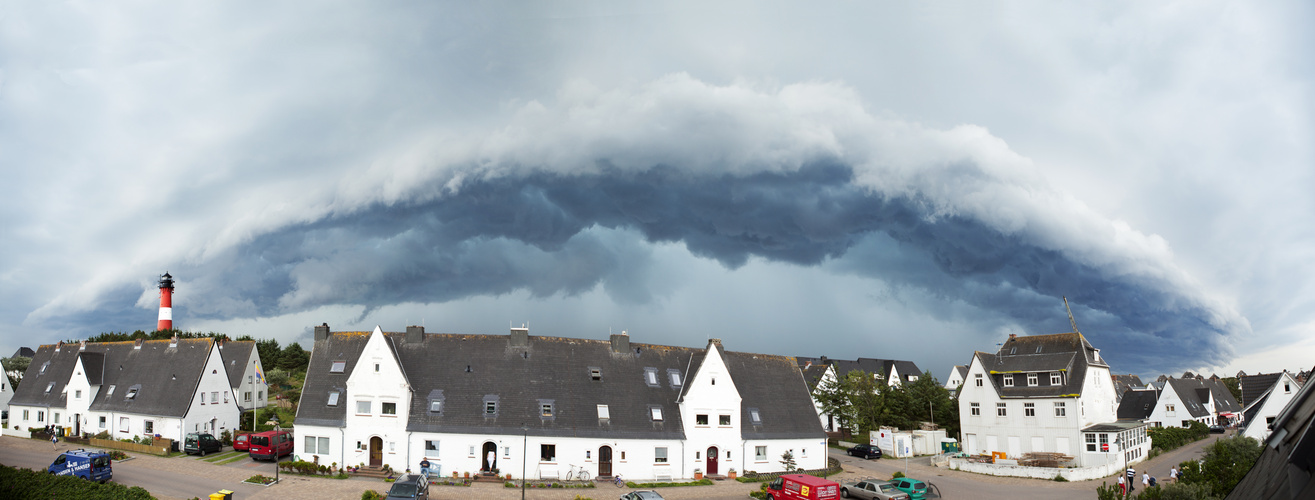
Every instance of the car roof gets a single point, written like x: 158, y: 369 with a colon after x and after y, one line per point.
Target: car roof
x: 84, y: 453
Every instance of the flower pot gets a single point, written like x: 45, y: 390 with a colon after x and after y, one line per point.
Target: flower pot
x: 698, y: 475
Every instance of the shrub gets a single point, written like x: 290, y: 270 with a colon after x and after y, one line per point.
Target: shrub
x: 27, y: 483
x: 372, y: 495
x: 897, y: 475
x: 1059, y: 478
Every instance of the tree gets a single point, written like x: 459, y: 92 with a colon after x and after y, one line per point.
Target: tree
x: 1225, y: 463
x: 15, y: 367
x: 855, y: 399
x: 269, y: 352
x: 276, y: 378
x: 787, y: 461
x: 1234, y: 386
x: 294, y: 358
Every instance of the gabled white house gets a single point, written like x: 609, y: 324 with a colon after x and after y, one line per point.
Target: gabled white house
x: 127, y: 389
x: 1047, y: 393
x: 246, y: 375
x: 956, y: 378
x: 472, y: 403
x: 1182, y: 401
x: 1262, y: 412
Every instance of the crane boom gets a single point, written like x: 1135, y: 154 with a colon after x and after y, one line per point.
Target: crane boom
x: 1070, y: 316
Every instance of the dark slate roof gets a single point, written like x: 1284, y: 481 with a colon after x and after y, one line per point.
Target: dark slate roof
x: 1138, y: 404
x: 1069, y: 353
x: 873, y: 365
x: 313, y: 408
x: 776, y: 388
x: 166, y: 376
x: 24, y: 352
x: 1115, y: 426
x: 94, y: 364
x: 1193, y: 394
x: 1284, y: 469
x: 559, y: 370
x: 1124, y: 382
x: 1224, y: 400
x: 235, y: 354
x: 1253, y: 386
x: 1249, y: 417
x: 813, y: 375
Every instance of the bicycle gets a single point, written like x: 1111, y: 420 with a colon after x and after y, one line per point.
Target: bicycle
x: 582, y: 475
x: 620, y: 483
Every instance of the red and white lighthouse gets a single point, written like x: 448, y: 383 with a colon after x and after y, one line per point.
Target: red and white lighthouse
x: 166, y: 303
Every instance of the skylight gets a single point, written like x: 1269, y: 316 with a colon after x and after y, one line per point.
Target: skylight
x: 43, y: 367
x: 333, y: 398
x: 132, y: 393
x: 50, y: 387
x: 673, y: 375
x: 111, y: 391
x: 656, y: 413
x: 754, y: 417
x: 650, y: 377
x: 602, y: 412
x: 338, y: 367
x: 595, y: 373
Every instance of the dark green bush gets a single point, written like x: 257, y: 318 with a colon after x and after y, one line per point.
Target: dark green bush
x: 27, y: 483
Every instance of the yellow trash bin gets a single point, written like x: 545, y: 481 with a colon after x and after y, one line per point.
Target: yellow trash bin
x: 222, y: 495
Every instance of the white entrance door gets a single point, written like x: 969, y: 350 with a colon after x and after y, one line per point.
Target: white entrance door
x: 972, y: 448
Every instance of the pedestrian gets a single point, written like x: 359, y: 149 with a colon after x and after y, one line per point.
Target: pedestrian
x: 1145, y: 479
x: 1173, y: 474
x: 54, y: 441
x: 1132, y: 476
x: 493, y: 458
x: 1123, y: 487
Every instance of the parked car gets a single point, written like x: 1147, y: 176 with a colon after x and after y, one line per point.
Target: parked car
x: 872, y: 490
x: 1217, y: 429
x: 93, y: 465
x: 202, y: 443
x: 916, y: 489
x: 641, y: 495
x: 802, y: 487
x: 410, y: 486
x: 240, y: 443
x: 269, y: 444
x: 865, y: 451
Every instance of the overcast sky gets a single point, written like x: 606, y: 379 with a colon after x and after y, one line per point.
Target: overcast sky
x: 853, y: 179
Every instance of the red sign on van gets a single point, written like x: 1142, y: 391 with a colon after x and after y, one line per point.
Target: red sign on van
x: 804, y: 487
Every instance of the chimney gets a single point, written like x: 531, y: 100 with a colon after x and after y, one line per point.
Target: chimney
x: 173, y: 342
x: 59, y: 345
x: 83, y: 346
x: 137, y: 344
x: 322, y: 332
x: 1013, y: 336
x: 621, y: 342
x: 415, y: 334
x: 520, y: 337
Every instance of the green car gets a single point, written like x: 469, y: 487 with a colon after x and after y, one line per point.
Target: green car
x: 916, y: 489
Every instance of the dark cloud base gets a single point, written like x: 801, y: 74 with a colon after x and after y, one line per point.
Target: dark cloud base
x: 504, y: 234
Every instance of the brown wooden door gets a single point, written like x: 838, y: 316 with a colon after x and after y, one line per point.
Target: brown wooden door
x: 605, y: 461
x: 712, y: 460
x: 376, y: 452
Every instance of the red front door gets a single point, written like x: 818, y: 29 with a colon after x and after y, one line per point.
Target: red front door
x: 605, y: 461
x: 712, y: 460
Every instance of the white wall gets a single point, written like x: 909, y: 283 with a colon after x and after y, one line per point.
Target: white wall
x: 710, y: 391
x: 1279, y: 397
x: 221, y: 416
x: 259, y: 390
x: 377, y: 380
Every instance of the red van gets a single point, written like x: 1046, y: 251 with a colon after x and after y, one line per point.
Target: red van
x: 269, y: 444
x: 802, y: 487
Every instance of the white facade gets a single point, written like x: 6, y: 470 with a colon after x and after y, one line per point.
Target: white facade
x: 829, y: 422
x: 252, y: 391
x: 1276, y: 399
x: 1170, y: 411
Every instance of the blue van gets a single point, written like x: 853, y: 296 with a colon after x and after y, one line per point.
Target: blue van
x: 93, y: 465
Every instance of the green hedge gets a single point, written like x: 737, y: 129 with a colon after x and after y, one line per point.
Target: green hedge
x: 27, y: 483
x: 1168, y: 438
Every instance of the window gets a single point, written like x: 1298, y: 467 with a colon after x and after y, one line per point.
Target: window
x: 656, y: 413
x: 50, y: 387
x: 1060, y: 411
x: 150, y: 427
x: 1032, y: 380
x: 102, y: 420
x: 389, y: 408
x: 595, y: 373
x: 975, y: 409
x: 123, y: 423
x: 979, y: 380
x: 338, y: 367
x: 1029, y: 409
x: 214, y: 396
x: 1104, y: 441
x: 362, y: 407
x: 43, y: 367
x: 506, y: 452
x: 132, y: 392
x: 436, y: 401
x: 723, y: 420
x: 701, y: 419
x: 1054, y: 378
x: 57, y: 417
x: 547, y: 453
x: 760, y: 453
x: 1009, y: 380
x: 25, y: 416
x: 673, y: 376
x: 77, y: 394
x: 376, y: 367
x: 1287, y: 387
x: 490, y: 408
x: 202, y: 398
x: 1168, y: 407
x: 545, y: 409
x: 1091, y: 442
x: 310, y: 445
x: 225, y: 396
x: 650, y: 377
x: 660, y: 455
x: 602, y: 412
x: 246, y: 396
x: 260, y: 395
x: 431, y: 446
x: 1000, y: 410
x: 111, y: 391
x: 333, y: 398
x: 754, y: 418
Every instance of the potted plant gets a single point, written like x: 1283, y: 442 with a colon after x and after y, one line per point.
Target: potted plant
x: 731, y: 473
x: 698, y: 473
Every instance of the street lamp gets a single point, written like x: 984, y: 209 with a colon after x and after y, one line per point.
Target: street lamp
x: 274, y: 421
x: 525, y: 449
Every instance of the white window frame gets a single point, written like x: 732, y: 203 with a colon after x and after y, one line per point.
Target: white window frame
x: 660, y: 455
x: 1001, y: 410
x: 1060, y: 409
x: 1033, y: 380
x: 1055, y: 379
x: 974, y: 409
x: 1009, y: 380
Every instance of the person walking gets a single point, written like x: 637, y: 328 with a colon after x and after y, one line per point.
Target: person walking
x: 1132, y: 476
x: 54, y: 441
x: 1146, y: 479
x: 1173, y: 474
x: 1123, y: 487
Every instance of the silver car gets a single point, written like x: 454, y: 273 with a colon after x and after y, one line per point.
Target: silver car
x: 871, y: 490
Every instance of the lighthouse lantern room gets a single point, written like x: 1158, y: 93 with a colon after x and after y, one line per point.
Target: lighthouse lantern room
x: 166, y: 302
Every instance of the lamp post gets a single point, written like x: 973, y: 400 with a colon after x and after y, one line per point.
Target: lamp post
x: 274, y: 421
x: 525, y: 449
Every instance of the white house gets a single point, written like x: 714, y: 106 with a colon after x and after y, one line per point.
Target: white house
x: 549, y: 405
x: 1047, y: 393
x: 246, y: 375
x: 127, y: 389
x: 1182, y: 401
x: 956, y: 378
x: 1262, y: 412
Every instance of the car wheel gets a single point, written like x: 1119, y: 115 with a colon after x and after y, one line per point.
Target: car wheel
x: 844, y: 492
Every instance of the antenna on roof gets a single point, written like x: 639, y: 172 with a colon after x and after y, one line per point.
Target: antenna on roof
x: 1070, y: 316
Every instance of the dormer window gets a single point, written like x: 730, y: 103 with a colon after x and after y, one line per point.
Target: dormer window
x: 1009, y: 380
x: 1054, y: 378
x: 338, y: 367
x: 650, y: 377
x: 436, y: 400
x: 673, y: 376
x: 595, y: 373
x: 754, y: 417
x: 1032, y: 380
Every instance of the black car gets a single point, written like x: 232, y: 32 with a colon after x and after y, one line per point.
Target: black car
x: 201, y: 442
x: 413, y: 486
x: 1217, y: 429
x: 865, y: 451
